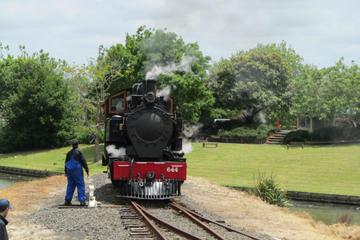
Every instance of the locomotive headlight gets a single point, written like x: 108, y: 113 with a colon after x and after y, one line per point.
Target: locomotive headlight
x: 150, y: 97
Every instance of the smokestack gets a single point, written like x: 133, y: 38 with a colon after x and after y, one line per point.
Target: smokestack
x: 150, y: 90
x: 150, y: 85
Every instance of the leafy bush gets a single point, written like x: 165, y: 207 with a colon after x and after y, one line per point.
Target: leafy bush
x: 336, y: 133
x: 36, y: 104
x: 259, y: 132
x: 324, y: 134
x: 345, y: 218
x: 86, y: 134
x: 269, y: 191
x: 297, y: 136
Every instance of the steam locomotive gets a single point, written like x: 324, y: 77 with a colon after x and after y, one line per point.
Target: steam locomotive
x: 143, y: 143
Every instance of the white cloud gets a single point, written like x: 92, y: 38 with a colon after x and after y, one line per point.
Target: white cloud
x: 321, y: 31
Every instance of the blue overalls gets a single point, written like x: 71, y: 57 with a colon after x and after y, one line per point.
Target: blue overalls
x: 75, y: 177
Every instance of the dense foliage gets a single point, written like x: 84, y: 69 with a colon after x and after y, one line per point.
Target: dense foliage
x: 336, y: 134
x: 326, y: 134
x: 327, y: 93
x: 44, y: 102
x: 260, y: 132
x: 256, y: 81
x: 36, y: 105
x: 128, y: 63
x: 297, y: 136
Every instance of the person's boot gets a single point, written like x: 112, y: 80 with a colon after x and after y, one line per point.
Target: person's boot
x: 82, y: 204
x: 67, y: 203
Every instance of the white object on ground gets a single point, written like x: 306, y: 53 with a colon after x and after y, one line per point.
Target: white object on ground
x: 92, y: 200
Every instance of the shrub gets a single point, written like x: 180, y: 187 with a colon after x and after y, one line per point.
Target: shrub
x: 345, y: 218
x: 297, y: 136
x: 269, y: 191
x: 257, y: 132
x: 36, y: 103
x: 336, y: 133
x: 86, y: 134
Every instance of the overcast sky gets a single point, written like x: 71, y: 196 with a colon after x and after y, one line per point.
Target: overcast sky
x: 320, y: 31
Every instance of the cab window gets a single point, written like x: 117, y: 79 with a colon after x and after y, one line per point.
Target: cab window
x: 117, y: 103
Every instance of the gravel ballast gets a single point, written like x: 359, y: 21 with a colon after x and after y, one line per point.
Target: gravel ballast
x: 86, y: 223
x: 105, y: 223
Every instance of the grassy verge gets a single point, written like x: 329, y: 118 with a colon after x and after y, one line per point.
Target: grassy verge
x: 51, y: 160
x: 330, y: 169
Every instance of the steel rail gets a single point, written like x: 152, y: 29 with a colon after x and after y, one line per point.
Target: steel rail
x: 151, y: 225
x: 169, y: 226
x: 214, y: 222
x: 196, y: 220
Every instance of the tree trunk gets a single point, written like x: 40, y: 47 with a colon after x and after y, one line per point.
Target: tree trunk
x: 97, y: 137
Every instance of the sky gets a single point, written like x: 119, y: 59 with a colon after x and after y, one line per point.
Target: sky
x: 321, y: 31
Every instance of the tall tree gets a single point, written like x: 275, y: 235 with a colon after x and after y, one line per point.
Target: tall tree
x: 256, y: 80
x: 130, y: 62
x: 124, y: 62
x: 327, y: 93
x: 36, y: 104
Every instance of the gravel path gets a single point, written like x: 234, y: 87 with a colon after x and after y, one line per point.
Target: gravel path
x: 86, y: 223
x: 105, y: 223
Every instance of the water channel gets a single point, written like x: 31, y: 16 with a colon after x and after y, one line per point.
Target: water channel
x: 327, y: 212
x: 8, y: 179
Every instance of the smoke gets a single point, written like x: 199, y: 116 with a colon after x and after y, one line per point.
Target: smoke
x: 183, y: 66
x: 114, y: 152
x: 191, y: 131
x: 261, y: 117
x: 164, y: 92
x: 186, y: 146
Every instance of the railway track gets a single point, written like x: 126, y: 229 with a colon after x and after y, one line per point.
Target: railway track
x: 142, y: 224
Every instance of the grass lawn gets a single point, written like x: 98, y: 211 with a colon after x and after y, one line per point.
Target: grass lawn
x: 327, y: 169
x: 51, y: 160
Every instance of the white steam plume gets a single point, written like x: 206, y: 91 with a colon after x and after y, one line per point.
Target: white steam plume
x: 114, y: 152
x: 261, y: 117
x: 192, y: 130
x: 164, y: 92
x: 186, y: 146
x: 189, y: 132
x: 184, y: 65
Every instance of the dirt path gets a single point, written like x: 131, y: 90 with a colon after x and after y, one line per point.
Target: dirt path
x: 249, y: 212
x: 238, y: 208
x: 27, y: 197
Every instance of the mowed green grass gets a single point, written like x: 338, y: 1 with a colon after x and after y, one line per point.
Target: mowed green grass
x: 50, y: 160
x: 326, y: 169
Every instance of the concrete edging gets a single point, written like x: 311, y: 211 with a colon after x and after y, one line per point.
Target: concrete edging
x: 314, y: 197
x: 27, y: 172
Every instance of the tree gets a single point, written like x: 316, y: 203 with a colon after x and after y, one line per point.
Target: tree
x: 305, y: 91
x: 92, y: 83
x: 124, y: 62
x: 256, y: 80
x: 130, y: 62
x: 327, y: 93
x: 99, y: 88
x: 191, y: 95
x: 36, y: 104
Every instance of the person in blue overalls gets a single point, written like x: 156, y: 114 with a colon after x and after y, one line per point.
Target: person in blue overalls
x: 74, y: 163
